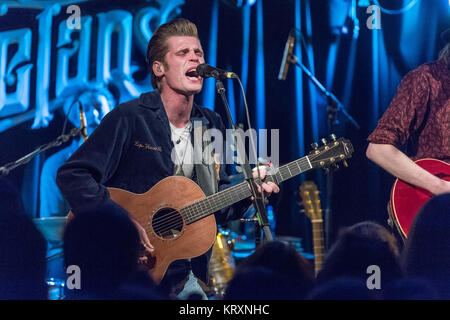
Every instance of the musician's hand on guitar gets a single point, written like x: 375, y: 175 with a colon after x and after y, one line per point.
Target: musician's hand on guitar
x: 144, y: 238
x: 269, y: 187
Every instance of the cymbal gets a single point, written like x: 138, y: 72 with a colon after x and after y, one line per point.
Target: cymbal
x: 52, y: 228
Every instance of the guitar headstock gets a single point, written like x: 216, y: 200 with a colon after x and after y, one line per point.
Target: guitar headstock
x: 330, y: 154
x: 311, y: 200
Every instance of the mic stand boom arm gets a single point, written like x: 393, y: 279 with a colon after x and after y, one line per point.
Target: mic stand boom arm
x: 258, y: 201
x: 55, y: 143
x: 334, y: 104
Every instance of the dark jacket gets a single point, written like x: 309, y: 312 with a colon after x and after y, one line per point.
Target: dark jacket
x: 131, y: 150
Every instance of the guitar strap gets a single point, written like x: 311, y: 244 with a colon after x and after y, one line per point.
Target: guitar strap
x: 204, y: 167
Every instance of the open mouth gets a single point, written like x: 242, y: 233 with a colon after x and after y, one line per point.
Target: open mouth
x: 192, y: 74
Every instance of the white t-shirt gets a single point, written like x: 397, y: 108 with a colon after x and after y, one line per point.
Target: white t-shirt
x: 182, y: 155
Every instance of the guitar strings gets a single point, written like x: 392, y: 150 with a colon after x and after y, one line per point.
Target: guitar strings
x: 171, y: 223
x: 168, y: 218
x: 212, y: 208
x: 168, y: 221
x: 195, y: 210
x: 190, y: 208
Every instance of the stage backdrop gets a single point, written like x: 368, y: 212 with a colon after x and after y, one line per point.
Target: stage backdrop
x: 54, y: 51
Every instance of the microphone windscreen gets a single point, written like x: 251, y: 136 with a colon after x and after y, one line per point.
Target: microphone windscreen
x: 204, y: 70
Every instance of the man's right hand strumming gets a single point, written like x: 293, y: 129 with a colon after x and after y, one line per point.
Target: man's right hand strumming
x: 144, y: 238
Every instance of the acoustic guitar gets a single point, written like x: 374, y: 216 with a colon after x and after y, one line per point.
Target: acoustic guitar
x: 311, y: 203
x: 406, y: 199
x: 178, y: 217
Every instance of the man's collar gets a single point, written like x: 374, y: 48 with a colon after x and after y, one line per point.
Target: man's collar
x: 152, y: 100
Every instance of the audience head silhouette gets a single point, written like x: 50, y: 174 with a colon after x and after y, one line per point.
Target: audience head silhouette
x: 105, y: 244
x: 274, y: 271
x: 358, y: 247
x: 22, y: 249
x: 427, y: 249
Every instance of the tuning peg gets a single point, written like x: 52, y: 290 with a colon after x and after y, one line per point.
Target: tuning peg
x: 324, y: 141
x: 332, y: 137
x: 315, y: 145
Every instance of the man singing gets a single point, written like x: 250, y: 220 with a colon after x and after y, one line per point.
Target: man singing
x: 136, y: 144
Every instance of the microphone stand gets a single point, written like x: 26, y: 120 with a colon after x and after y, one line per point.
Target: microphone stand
x: 333, y: 107
x: 55, y: 143
x: 262, y: 223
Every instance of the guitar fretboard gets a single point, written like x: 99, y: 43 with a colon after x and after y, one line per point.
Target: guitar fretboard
x: 317, y: 228
x: 213, y: 203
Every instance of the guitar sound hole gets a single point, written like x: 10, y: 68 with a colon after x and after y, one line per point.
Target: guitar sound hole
x: 167, y: 223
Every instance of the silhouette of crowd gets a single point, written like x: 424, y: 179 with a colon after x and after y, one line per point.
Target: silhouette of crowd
x: 366, y: 261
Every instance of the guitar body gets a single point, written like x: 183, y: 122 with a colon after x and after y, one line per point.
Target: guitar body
x: 160, y: 204
x: 406, y: 199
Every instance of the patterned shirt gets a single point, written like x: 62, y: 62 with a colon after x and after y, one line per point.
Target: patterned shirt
x: 419, y: 115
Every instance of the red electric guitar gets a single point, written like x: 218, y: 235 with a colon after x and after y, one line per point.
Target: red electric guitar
x: 406, y: 199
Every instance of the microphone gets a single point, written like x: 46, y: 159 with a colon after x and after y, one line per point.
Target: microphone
x: 287, y: 56
x: 83, y: 122
x: 206, y: 71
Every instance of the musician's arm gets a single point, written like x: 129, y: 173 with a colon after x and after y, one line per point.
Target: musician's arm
x: 404, y: 116
x: 81, y: 178
x: 401, y: 166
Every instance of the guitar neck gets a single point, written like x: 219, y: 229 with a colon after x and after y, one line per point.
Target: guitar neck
x: 241, y: 191
x: 318, y: 242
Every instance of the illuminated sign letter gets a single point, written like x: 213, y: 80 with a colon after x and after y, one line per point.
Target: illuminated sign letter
x: 15, y: 73
x: 142, y: 31
x: 80, y: 47
x: 118, y: 21
x: 43, y: 116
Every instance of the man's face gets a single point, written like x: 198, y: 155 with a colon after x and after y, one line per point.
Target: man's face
x: 181, y: 61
